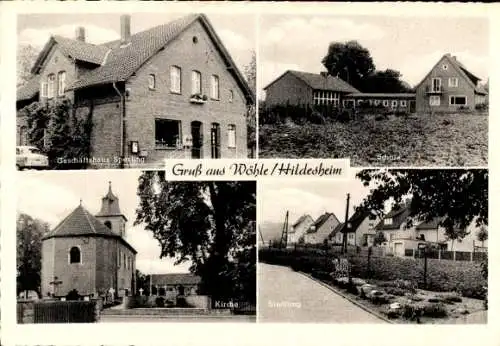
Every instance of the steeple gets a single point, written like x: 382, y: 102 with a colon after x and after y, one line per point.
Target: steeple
x: 110, y: 213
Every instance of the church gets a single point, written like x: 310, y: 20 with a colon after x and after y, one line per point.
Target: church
x: 88, y: 253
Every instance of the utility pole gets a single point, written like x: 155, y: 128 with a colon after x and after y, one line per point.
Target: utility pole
x: 284, y: 234
x: 345, y: 228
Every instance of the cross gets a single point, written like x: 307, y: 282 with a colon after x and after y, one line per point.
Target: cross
x: 55, y: 283
x: 112, y: 291
x: 140, y: 291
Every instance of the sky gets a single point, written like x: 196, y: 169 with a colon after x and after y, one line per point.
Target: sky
x: 51, y: 196
x: 410, y: 45
x: 313, y: 197
x: 236, y: 31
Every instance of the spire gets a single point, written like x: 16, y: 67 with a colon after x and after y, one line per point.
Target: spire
x: 110, y: 204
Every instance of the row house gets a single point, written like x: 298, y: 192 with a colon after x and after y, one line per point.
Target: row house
x: 172, y: 91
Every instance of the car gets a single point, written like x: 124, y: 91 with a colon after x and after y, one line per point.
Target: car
x: 29, y: 157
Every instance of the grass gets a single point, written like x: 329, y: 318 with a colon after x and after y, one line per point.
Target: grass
x: 424, y: 140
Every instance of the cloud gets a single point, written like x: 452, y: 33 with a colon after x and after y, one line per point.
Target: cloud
x: 93, y: 34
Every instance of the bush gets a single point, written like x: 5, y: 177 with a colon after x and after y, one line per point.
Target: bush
x: 436, y: 310
x: 181, y: 302
x: 452, y: 298
x: 160, y: 302
x: 73, y: 295
x: 411, y: 312
x: 395, y: 291
x: 475, y: 292
x: 482, y: 107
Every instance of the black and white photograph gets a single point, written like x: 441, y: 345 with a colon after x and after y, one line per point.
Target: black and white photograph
x: 131, y: 90
x: 380, y: 90
x: 387, y: 246
x: 129, y: 246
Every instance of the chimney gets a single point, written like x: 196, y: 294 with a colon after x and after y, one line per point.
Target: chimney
x: 125, y: 29
x: 80, y: 33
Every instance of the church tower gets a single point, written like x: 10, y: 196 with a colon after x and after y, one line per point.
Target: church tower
x: 110, y: 214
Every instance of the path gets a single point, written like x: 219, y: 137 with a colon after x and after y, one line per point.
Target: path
x: 288, y: 296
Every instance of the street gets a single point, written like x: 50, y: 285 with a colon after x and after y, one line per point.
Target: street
x: 288, y: 296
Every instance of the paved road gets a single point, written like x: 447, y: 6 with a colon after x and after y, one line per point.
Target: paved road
x: 287, y: 296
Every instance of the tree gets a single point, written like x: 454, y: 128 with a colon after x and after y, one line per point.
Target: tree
x: 349, y: 61
x: 250, y: 72
x: 29, y: 252
x: 26, y: 56
x: 58, y: 131
x: 459, y: 197
x: 210, y: 224
x: 379, y: 238
x: 482, y: 235
x: 387, y: 81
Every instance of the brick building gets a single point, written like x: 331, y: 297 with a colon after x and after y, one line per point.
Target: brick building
x: 172, y: 91
x: 89, y: 253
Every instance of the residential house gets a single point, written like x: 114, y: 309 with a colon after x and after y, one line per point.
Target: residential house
x: 172, y: 91
x: 88, y: 253
x: 299, y: 228
x: 360, y: 229
x: 307, y: 89
x: 321, y: 229
x: 449, y: 86
x: 399, y: 237
x: 397, y: 102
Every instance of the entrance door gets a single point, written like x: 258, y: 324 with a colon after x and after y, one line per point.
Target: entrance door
x: 215, y: 140
x: 412, y: 106
x: 197, y: 135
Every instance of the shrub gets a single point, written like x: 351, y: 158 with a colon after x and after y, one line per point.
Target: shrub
x: 411, y: 312
x: 452, y: 298
x: 395, y: 291
x: 393, y: 314
x: 73, y: 295
x: 475, y: 292
x: 181, y: 302
x: 482, y: 107
x: 379, y: 299
x: 436, y: 310
x: 160, y: 302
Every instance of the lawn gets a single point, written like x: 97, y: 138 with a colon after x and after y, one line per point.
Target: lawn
x: 417, y: 140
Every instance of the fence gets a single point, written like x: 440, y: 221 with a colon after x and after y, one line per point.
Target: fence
x: 471, y: 256
x: 66, y: 312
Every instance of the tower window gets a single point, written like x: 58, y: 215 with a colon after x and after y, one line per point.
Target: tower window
x: 75, y: 255
x: 108, y: 224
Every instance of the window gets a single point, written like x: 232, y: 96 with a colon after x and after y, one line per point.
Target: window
x: 436, y: 84
x: 108, y: 224
x: 152, y: 82
x: 434, y: 100
x: 391, y: 237
x: 453, y: 82
x: 43, y: 89
x: 326, y: 98
x: 445, y: 67
x: 402, y: 103
x: 376, y: 102
x: 215, y: 87
x: 52, y: 86
x: 458, y: 100
x: 372, y: 217
x: 394, y: 103
x: 231, y: 136
x: 175, y: 79
x: 167, y: 133
x: 385, y: 103
x: 61, y: 83
x: 74, y: 255
x: 231, y: 96
x: 388, y: 221
x: 195, y: 82
x: 350, y: 236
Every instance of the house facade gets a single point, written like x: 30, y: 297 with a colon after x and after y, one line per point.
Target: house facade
x: 449, y: 87
x: 396, y: 102
x: 321, y: 229
x: 360, y: 229
x: 399, y: 237
x: 88, y: 253
x: 307, y: 89
x: 172, y: 91
x: 299, y: 228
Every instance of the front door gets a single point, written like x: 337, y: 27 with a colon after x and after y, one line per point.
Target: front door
x: 215, y: 140
x: 412, y: 106
x: 197, y: 135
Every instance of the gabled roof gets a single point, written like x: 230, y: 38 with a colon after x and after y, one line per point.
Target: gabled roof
x: 121, y: 62
x: 336, y: 230
x: 320, y: 221
x: 399, y: 215
x: 29, y: 90
x: 466, y: 74
x: 78, y: 50
x: 82, y: 223
x: 433, y: 224
x: 175, y: 279
x: 301, y: 219
x: 317, y: 81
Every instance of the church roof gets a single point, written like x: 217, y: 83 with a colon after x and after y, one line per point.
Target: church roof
x: 82, y: 223
x: 110, y: 205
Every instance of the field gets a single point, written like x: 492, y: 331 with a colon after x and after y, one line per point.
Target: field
x: 423, y: 140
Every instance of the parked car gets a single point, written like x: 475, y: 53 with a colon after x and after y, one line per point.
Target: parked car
x: 28, y: 157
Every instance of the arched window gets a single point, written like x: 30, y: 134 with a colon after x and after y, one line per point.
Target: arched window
x: 74, y: 255
x: 108, y: 224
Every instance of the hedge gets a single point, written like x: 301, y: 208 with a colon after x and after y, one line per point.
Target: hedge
x: 442, y: 275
